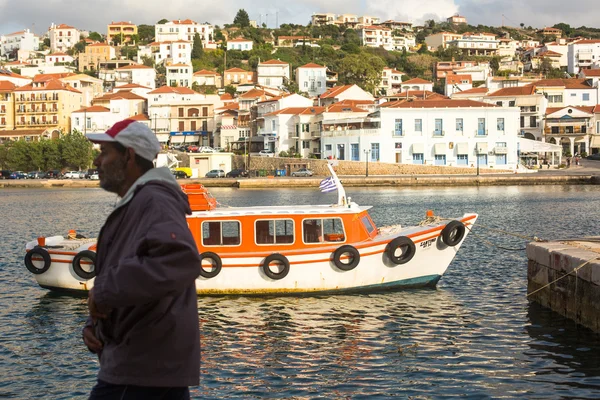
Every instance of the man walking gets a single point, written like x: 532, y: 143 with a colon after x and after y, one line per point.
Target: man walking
x: 143, y: 321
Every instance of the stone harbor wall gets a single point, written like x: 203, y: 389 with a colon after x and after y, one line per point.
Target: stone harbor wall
x: 319, y: 167
x: 575, y: 266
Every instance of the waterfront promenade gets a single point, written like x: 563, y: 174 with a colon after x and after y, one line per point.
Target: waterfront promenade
x: 586, y: 173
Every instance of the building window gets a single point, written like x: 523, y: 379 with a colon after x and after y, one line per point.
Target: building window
x: 88, y: 123
x: 398, y: 127
x: 462, y: 159
x: 417, y: 158
x: 459, y: 124
x: 354, y: 155
x: 500, y: 124
x: 418, y: 125
x: 374, y: 151
x: 532, y: 122
x: 501, y: 159
x: 481, y: 126
x: 554, y: 129
x: 555, y: 98
x: 440, y: 159
x: 586, y: 97
x: 438, y: 131
x: 341, y: 151
x: 482, y: 159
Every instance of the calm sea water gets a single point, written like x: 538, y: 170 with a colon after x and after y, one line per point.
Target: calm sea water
x: 475, y: 336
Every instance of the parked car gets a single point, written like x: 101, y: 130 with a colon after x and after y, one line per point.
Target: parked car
x: 192, y: 149
x: 266, y: 153
x: 180, y: 175
x: 90, y: 172
x: 94, y: 176
x: 35, y: 175
x: 303, y: 172
x: 53, y: 174
x: 215, y: 173
x: 5, y: 174
x: 236, y: 173
x: 18, y: 175
x: 594, y: 156
x: 218, y: 149
x: 71, y: 175
x: 206, y: 149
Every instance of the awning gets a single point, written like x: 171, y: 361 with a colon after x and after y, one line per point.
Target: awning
x: 439, y: 148
x: 418, y: 148
x: 535, y: 146
x: 162, y: 137
x: 595, y: 141
x: 481, y: 148
x: 462, y: 148
x: 228, y: 127
x: 526, y: 101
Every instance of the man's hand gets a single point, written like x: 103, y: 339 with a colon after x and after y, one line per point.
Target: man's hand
x: 96, y: 312
x: 91, y: 341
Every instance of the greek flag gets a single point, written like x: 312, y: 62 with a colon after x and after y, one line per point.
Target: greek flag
x: 327, y: 185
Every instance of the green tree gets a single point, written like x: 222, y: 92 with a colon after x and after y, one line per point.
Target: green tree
x: 79, y: 47
x: 495, y: 64
x: 96, y: 36
x: 4, y: 148
x: 231, y: 90
x: 19, y: 155
x: 241, y: 18
x: 46, y: 42
x: 76, y: 150
x: 566, y: 28
x: 162, y: 21
x: 147, y: 61
x: 197, y: 50
x: 146, y: 33
x: 51, y: 152
x: 363, y: 70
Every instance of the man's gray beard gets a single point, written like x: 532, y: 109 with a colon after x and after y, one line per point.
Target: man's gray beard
x: 114, y: 180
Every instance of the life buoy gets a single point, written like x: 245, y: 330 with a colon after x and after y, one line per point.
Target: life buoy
x: 405, y: 245
x: 79, y: 271
x: 453, y: 233
x: 40, y: 252
x: 215, y: 261
x: 354, y: 257
x: 279, y: 259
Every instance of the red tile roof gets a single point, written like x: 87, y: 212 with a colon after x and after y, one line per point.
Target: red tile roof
x: 184, y: 22
x: 335, y: 91
x: 236, y: 70
x: 93, y: 109
x: 54, y: 84
x: 514, y: 91
x: 63, y: 26
x: 132, y: 86
x: 50, y: 77
x: 339, y: 107
x: 273, y: 62
x: 226, y: 96
x: 585, y: 109
x: 239, y: 40
x: 169, y: 89
x: 7, y: 86
x: 122, y: 23
x: 591, y: 72
x: 443, y: 103
x: 416, y: 81
x: 134, y: 66
x: 299, y: 111
x: 139, y: 117
x: 252, y: 94
x: 121, y: 94
x: 456, y: 79
x: 205, y: 72
x: 476, y: 90
x: 312, y: 65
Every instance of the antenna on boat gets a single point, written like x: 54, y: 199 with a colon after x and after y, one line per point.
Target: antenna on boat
x: 342, y: 200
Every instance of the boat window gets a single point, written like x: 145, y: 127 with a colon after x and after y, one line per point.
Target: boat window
x: 367, y: 223
x: 277, y: 231
x: 323, y: 230
x: 221, y: 233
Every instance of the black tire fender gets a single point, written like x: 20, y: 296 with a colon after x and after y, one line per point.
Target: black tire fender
x: 280, y: 259
x: 406, y: 245
x: 354, y: 257
x: 215, y: 261
x: 453, y: 233
x: 40, y: 252
x: 80, y: 272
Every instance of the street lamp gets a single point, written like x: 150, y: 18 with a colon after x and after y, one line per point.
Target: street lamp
x: 367, y: 152
x: 477, y: 151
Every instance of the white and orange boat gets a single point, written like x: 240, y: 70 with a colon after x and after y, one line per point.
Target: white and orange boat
x: 310, y: 249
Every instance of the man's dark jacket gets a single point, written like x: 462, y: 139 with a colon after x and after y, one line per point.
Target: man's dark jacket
x: 146, y: 265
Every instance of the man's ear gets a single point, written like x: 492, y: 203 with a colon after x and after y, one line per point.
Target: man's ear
x: 130, y: 156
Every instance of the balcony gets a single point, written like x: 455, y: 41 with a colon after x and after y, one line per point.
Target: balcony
x: 351, y: 132
x: 565, y: 130
x: 36, y: 99
x: 438, y: 133
x: 36, y: 123
x: 2, y: 110
x: 481, y: 132
x: 500, y: 150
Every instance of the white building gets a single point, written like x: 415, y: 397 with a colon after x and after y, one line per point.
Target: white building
x: 417, y: 84
x: 185, y: 30
x: 457, y: 83
x: 179, y: 75
x: 583, y: 54
x: 345, y: 92
x: 63, y: 37
x: 58, y: 58
x: 312, y: 79
x: 21, y: 40
x: 476, y: 44
x: 376, y: 36
x: 16, y: 79
x: 273, y: 73
x: 179, y: 52
x: 403, y: 42
x: 240, y: 44
x: 391, y: 81
x: 137, y: 74
x: 207, y: 78
x: 444, y: 132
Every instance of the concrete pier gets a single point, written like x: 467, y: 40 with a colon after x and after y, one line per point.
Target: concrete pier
x: 565, y: 277
x: 348, y: 181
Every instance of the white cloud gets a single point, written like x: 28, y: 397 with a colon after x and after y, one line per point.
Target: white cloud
x: 411, y: 11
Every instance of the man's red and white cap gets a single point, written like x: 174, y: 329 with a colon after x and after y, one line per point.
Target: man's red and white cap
x: 132, y: 134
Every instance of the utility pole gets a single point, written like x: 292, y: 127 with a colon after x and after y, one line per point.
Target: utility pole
x: 367, y: 151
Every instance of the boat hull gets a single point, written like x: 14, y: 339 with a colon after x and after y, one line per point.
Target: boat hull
x: 310, y: 272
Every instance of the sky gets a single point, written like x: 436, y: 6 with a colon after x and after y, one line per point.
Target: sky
x: 94, y: 15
